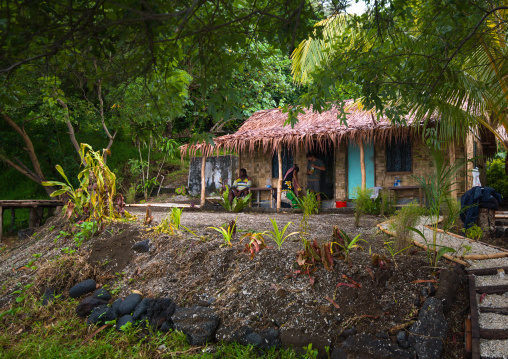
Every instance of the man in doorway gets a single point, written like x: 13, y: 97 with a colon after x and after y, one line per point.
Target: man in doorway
x: 241, y: 186
x: 314, y: 168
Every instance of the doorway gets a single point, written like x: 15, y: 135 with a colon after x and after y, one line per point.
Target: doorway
x: 354, y: 173
x: 327, y: 179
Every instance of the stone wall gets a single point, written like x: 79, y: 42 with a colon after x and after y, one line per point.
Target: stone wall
x: 217, y: 169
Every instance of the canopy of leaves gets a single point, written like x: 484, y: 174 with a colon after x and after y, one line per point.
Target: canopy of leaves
x: 412, y: 56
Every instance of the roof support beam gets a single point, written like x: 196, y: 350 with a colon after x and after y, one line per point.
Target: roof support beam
x: 362, y: 165
x: 203, y: 182
x: 279, y: 182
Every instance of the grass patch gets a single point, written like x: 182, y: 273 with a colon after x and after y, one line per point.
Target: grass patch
x: 55, y: 331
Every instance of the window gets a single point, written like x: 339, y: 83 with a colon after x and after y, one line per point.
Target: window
x: 287, y: 162
x: 398, y: 155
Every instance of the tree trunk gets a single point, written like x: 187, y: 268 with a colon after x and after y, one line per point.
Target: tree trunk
x: 101, y: 111
x: 505, y: 165
x: 279, y: 182
x: 36, y: 175
x: 362, y: 166
x: 203, y: 182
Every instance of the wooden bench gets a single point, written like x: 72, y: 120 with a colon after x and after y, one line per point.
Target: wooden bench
x: 402, y: 188
x: 35, y: 206
x: 258, y: 190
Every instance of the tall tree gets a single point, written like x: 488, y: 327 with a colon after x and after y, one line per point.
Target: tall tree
x: 101, y: 47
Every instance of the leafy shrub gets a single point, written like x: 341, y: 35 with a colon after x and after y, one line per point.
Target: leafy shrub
x: 451, y: 213
x: 309, y: 205
x: 181, y: 190
x: 404, y: 219
x: 496, y: 178
x: 256, y: 242
x: 96, y: 197
x: 175, y: 215
x: 363, y: 203
x: 386, y: 206
x: 130, y: 196
x: 474, y: 232
x: 237, y: 204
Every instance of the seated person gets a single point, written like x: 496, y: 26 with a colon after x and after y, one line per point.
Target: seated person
x: 240, y: 186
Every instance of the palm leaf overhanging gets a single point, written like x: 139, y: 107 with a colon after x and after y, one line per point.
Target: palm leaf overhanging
x: 416, y: 64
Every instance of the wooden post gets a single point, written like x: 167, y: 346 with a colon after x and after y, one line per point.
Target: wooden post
x: 13, y: 220
x: 279, y: 182
x: 203, y: 181
x: 32, y: 217
x: 362, y: 165
x: 1, y: 222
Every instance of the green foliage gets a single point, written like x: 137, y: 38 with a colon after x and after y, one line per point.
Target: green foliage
x: 496, y: 177
x: 228, y: 233
x: 309, y: 205
x: 181, y: 190
x: 474, y: 232
x: 363, y: 203
x: 175, y: 215
x: 130, y: 196
x: 255, y: 243
x: 434, y: 251
x: 347, y: 244
x: 86, y: 231
x: 396, y: 64
x: 310, y: 353
x: 404, y: 219
x: 278, y: 235
x: 313, y: 254
x: 451, y: 213
x: 96, y: 196
x: 387, y: 205
x: 437, y: 188
x: 394, y: 252
x: 51, y: 325
x: 238, y: 203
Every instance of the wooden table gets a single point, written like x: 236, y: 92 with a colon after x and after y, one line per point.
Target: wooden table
x: 401, y: 188
x: 259, y: 189
x: 33, y: 204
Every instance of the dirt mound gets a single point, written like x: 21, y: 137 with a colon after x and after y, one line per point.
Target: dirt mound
x: 113, y: 251
x: 266, y: 292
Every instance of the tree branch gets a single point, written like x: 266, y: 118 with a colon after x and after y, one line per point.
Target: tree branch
x: 70, y: 128
x: 28, y: 143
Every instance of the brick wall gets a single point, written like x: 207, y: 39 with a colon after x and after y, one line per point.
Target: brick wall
x: 259, y: 168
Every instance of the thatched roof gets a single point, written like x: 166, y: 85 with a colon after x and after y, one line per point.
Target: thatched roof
x: 265, y: 129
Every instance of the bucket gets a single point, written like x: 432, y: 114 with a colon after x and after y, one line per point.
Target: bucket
x: 340, y: 204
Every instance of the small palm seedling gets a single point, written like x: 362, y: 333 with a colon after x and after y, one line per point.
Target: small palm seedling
x: 174, y: 216
x: 278, y: 235
x: 228, y: 233
x: 393, y: 252
x: 256, y: 242
x: 349, y: 244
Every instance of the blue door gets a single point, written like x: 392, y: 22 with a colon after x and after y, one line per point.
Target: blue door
x: 354, y: 178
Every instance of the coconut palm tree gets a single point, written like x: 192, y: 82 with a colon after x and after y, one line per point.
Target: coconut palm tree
x: 418, y: 64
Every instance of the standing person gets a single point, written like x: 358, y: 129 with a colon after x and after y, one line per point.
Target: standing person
x: 314, y: 168
x: 241, y: 186
x: 290, y: 186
